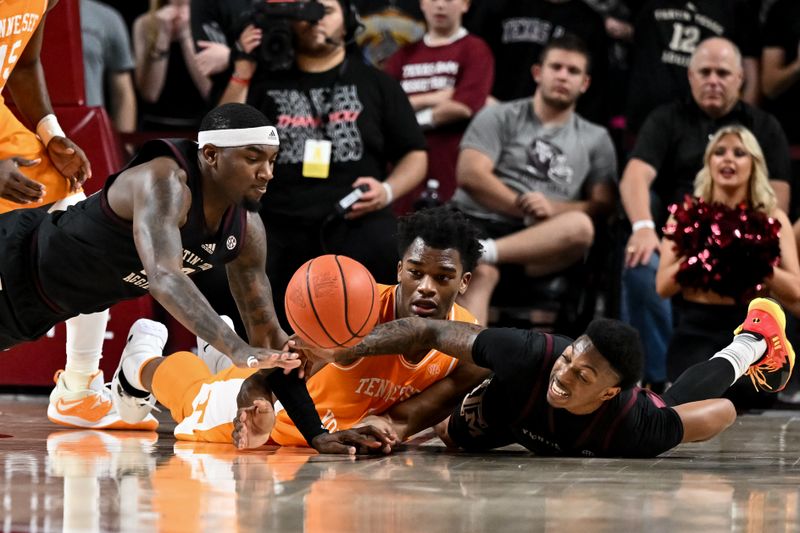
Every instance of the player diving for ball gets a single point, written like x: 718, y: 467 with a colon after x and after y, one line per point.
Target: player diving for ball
x: 559, y: 396
x: 178, y: 208
x: 411, y: 390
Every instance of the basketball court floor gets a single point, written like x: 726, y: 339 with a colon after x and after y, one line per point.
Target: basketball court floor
x: 747, y: 480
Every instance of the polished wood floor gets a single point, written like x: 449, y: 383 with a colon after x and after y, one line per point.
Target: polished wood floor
x: 71, y: 480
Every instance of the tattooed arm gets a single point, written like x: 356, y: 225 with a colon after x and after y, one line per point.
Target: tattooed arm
x: 251, y: 289
x: 159, y: 205
x: 406, y: 336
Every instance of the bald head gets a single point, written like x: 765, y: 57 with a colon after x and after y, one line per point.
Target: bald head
x: 716, y: 76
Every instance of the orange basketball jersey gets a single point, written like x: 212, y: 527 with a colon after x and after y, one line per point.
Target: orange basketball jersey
x: 18, y: 21
x: 344, y: 395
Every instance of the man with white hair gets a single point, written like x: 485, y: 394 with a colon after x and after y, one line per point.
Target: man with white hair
x: 662, y: 167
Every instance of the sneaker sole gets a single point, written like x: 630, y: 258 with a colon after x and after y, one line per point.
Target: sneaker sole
x: 107, y: 422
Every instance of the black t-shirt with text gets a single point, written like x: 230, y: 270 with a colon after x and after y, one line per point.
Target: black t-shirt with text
x: 360, y: 109
x: 635, y: 423
x: 666, y: 33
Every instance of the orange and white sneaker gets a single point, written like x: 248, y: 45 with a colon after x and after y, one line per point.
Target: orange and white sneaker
x: 90, y: 408
x: 766, y: 318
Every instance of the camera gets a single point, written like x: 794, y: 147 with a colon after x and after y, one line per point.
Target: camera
x: 274, y: 19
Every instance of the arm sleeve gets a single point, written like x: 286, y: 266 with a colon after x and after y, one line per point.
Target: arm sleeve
x: 475, y: 80
x: 484, y: 133
x: 509, y: 352
x: 403, y: 134
x: 652, y: 143
x: 603, y: 160
x: 293, y: 394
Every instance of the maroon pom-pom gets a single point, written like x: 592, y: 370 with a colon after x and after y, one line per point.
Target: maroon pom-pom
x: 727, y: 250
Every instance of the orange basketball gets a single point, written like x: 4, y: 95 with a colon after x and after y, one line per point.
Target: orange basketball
x: 332, y: 301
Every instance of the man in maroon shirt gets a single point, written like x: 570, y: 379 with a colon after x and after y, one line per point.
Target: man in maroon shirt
x: 447, y: 76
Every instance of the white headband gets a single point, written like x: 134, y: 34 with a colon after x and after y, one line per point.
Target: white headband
x: 239, y: 137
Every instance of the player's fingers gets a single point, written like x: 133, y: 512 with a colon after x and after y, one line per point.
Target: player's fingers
x: 23, y: 162
x: 340, y: 448
x: 27, y: 186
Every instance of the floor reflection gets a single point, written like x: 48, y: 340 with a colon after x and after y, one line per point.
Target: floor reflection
x: 93, y: 481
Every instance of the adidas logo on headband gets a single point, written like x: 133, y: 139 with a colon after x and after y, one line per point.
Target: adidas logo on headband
x: 239, y: 137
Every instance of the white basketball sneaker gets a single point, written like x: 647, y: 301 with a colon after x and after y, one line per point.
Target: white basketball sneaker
x: 89, y: 407
x: 146, y: 340
x: 213, y: 358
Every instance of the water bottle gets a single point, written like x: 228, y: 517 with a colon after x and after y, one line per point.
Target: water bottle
x: 429, y: 197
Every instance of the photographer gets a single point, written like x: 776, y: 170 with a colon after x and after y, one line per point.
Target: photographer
x: 343, y: 125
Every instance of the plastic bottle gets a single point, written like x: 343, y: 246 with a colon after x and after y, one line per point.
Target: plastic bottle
x: 429, y: 197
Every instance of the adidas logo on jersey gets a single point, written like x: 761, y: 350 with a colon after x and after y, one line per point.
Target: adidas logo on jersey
x: 209, y: 248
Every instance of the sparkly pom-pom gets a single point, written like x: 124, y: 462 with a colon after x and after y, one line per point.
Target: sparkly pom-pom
x: 726, y: 250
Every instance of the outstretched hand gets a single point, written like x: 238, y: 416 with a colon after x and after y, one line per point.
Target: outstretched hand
x: 253, y: 425
x: 70, y: 161
x: 363, y: 440
x: 252, y: 357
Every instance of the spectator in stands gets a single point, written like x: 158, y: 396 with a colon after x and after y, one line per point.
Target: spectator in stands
x: 532, y: 173
x: 447, y: 77
x: 107, y: 64
x: 216, y: 26
x: 717, y: 278
x: 667, y: 156
x: 667, y: 32
x: 389, y: 25
x: 780, y: 74
x: 173, y: 91
x: 517, y: 32
x: 342, y: 125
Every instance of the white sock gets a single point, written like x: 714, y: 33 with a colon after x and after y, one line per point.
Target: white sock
x: 489, y: 254
x: 85, y: 336
x: 745, y: 350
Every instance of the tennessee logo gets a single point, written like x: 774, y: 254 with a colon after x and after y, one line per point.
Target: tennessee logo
x: 89, y: 408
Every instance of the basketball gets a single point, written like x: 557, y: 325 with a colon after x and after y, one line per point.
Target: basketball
x: 332, y: 302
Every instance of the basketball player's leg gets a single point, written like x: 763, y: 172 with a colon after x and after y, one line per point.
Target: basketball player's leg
x: 80, y: 385
x: 79, y: 398
x: 203, y: 404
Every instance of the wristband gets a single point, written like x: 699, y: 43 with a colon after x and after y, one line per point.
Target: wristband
x: 389, y: 192
x: 47, y: 128
x: 240, y: 81
x: 639, y: 224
